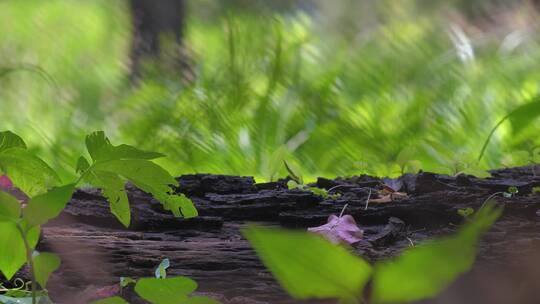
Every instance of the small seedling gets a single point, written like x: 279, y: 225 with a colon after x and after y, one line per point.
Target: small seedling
x: 536, y: 190
x: 297, y: 182
x: 160, y: 288
x: 466, y: 212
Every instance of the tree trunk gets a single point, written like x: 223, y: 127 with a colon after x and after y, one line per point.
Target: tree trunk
x: 150, y: 20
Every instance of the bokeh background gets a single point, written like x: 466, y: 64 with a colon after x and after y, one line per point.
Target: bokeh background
x: 334, y: 87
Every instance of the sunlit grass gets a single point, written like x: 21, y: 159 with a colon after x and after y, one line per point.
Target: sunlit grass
x: 413, y: 91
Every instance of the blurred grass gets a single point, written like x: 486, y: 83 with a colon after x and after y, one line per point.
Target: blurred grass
x: 406, y: 87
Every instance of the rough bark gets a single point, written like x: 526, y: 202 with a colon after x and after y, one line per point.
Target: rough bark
x: 96, y: 250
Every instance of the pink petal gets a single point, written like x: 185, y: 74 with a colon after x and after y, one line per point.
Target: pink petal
x: 340, y: 230
x: 5, y: 182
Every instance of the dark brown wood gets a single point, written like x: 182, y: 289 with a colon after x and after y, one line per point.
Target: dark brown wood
x: 96, y: 250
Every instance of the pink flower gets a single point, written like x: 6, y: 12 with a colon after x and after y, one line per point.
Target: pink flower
x: 5, y: 183
x: 340, y: 230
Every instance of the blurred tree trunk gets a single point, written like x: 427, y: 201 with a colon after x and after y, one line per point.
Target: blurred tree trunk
x: 150, y: 20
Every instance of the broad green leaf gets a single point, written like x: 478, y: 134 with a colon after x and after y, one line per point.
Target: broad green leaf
x: 520, y: 117
x: 201, y: 300
x: 9, y: 139
x: 10, y: 207
x: 152, y: 179
x: 112, y: 300
x: 100, y: 149
x: 95, y: 142
x: 308, y: 266
x: 143, y: 171
x: 523, y: 115
x: 113, y: 189
x: 32, y: 234
x: 46, y: 206
x: 45, y: 263
x: 424, y: 271
x: 165, y: 291
x: 82, y: 165
x: 28, y: 172
x: 12, y: 249
x: 178, y: 204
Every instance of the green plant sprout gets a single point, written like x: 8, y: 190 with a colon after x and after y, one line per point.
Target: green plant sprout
x: 297, y: 182
x: 509, y: 193
x: 161, y: 290
x: 420, y: 272
x: 111, y: 167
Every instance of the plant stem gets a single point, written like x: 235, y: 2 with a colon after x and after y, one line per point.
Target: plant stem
x: 30, y: 262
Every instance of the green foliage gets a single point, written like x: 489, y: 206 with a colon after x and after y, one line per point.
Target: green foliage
x: 46, y: 206
x: 10, y: 207
x: 165, y: 291
x: 9, y: 139
x: 520, y: 117
x: 535, y: 190
x: 112, y: 166
x: 316, y: 268
x: 12, y: 249
x: 426, y: 270
x: 28, y: 172
x: 112, y: 300
x: 297, y: 182
x: 44, y: 264
x: 313, y: 267
x: 466, y: 212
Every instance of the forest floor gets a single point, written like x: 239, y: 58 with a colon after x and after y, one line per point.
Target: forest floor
x: 96, y: 250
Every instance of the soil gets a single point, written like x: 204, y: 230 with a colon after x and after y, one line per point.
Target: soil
x: 96, y: 250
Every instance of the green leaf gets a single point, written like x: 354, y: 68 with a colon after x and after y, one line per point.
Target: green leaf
x: 318, y: 191
x: 12, y: 249
x: 95, y: 142
x: 152, y: 179
x: 523, y: 115
x: 125, y: 281
x: 113, y: 189
x: 82, y: 165
x: 45, y: 263
x: 9, y: 139
x: 165, y: 291
x: 44, y: 207
x: 178, y: 204
x: 112, y: 300
x: 424, y: 271
x: 32, y: 234
x: 10, y: 208
x: 291, y: 184
x: 28, y: 172
x: 520, y: 117
x: 201, y: 300
x: 312, y: 267
x: 465, y: 212
x: 143, y: 171
x: 513, y: 190
x: 100, y: 149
